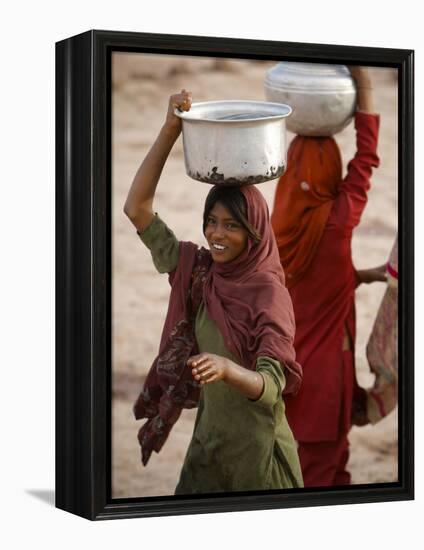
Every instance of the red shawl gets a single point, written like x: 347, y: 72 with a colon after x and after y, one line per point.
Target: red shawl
x: 304, y: 197
x: 249, y: 303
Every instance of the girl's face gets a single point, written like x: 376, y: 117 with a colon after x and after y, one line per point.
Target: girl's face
x: 226, y: 237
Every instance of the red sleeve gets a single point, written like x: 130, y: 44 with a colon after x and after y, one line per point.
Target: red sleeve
x: 352, y: 197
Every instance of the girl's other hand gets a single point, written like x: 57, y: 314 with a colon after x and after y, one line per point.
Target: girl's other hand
x: 207, y: 367
x: 181, y: 101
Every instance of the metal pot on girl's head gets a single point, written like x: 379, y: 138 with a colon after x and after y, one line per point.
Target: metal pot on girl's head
x: 235, y: 142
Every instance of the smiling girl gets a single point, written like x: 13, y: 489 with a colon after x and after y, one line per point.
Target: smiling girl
x: 227, y: 341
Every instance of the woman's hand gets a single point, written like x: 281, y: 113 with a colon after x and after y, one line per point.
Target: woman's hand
x: 372, y: 275
x: 363, y: 88
x: 360, y: 75
x: 181, y: 101
x: 207, y: 367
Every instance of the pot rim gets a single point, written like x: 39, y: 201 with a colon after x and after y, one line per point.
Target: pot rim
x: 189, y: 116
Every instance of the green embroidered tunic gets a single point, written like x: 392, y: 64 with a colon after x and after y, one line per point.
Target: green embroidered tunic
x: 238, y: 444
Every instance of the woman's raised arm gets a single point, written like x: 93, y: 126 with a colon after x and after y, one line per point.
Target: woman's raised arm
x: 139, y: 204
x: 364, y: 100
x: 353, y: 191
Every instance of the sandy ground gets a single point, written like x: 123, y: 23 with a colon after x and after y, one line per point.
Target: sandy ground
x: 141, y: 87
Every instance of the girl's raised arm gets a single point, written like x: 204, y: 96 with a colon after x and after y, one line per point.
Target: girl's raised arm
x: 139, y: 204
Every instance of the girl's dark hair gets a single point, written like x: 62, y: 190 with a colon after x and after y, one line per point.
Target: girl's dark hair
x: 233, y: 199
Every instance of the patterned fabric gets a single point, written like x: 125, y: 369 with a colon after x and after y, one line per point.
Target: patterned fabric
x: 392, y: 266
x: 382, y: 352
x: 169, y: 386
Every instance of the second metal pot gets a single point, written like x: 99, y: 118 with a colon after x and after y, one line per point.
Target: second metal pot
x: 323, y: 97
x: 235, y: 142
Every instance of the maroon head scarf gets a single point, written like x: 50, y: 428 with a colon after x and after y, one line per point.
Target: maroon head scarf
x: 251, y: 307
x: 248, y: 301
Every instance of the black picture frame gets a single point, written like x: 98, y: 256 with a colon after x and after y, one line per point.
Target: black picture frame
x: 83, y: 272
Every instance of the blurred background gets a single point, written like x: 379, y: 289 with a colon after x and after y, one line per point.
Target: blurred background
x: 142, y: 84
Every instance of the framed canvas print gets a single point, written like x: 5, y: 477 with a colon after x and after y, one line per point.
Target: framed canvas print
x: 232, y: 217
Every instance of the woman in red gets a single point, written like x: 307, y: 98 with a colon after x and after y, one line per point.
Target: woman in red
x: 314, y: 215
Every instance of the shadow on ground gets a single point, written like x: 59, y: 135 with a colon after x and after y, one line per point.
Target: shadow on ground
x: 46, y: 495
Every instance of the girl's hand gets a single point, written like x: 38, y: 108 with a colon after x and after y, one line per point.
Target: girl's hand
x: 181, y: 101
x: 207, y: 367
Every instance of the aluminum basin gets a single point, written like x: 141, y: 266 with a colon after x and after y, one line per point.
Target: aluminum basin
x: 235, y: 142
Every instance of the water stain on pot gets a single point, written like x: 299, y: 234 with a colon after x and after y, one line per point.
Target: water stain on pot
x: 217, y: 178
